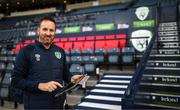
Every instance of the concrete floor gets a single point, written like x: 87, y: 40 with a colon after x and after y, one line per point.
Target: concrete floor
x: 10, y: 106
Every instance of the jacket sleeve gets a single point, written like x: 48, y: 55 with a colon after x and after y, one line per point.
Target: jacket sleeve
x: 66, y: 74
x: 19, y: 76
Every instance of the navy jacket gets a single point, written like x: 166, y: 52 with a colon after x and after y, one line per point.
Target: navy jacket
x: 35, y: 64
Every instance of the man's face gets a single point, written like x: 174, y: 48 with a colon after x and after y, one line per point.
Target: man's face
x: 46, y: 32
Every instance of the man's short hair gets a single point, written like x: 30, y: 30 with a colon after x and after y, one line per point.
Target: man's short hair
x: 48, y: 18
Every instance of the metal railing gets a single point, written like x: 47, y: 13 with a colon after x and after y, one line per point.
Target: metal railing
x: 129, y: 96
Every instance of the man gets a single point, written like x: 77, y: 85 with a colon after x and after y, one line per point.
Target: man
x: 40, y: 69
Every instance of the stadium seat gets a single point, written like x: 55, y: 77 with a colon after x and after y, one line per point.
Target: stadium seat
x: 100, y: 37
x: 76, y: 69
x: 75, y: 52
x: 122, y: 40
x: 89, y: 61
x: 3, y: 51
x: 10, y: 53
x: 3, y: 58
x: 72, y: 39
x: 11, y: 58
x: 68, y: 45
x: 63, y: 39
x: 59, y: 44
x: 2, y: 66
x: 56, y: 40
x: 100, y: 55
x: 90, y: 38
x: 109, y: 36
x: 87, y: 53
x: 78, y: 45
x: 5, y: 90
x: 76, y: 59
x: 81, y: 39
x: 18, y: 47
x: 100, y: 44
x: 10, y: 67
x: 114, y: 56
x: 76, y: 56
x: 128, y: 55
x: 111, y: 44
x: 68, y: 58
x: 89, y: 44
x: 89, y: 68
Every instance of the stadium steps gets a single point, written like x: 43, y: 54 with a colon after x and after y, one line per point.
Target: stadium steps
x: 74, y: 96
x: 158, y: 99
x: 107, y: 93
x: 160, y: 85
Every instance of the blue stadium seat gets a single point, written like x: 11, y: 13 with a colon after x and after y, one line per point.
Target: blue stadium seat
x: 76, y: 69
x: 3, y: 51
x: 87, y: 54
x: 68, y: 58
x: 10, y: 67
x: 2, y: 66
x: 11, y: 58
x: 100, y: 55
x: 76, y: 56
x: 114, y: 56
x: 5, y: 90
x: 10, y: 53
x: 3, y: 58
x: 75, y: 52
x: 128, y: 55
x: 89, y: 68
x: 89, y: 60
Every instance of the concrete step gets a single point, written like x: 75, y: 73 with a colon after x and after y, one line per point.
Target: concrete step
x: 162, y: 71
x: 163, y: 63
x: 167, y: 79
x: 169, y: 51
x: 8, y: 105
x: 107, y: 93
x: 73, y: 99
x: 159, y: 86
x: 158, y: 99
x: 90, y: 105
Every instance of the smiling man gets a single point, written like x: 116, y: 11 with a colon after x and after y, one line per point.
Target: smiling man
x: 46, y: 32
x: 40, y: 69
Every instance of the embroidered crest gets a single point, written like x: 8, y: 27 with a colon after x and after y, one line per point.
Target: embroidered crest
x: 58, y: 55
x: 142, y: 13
x: 37, y: 57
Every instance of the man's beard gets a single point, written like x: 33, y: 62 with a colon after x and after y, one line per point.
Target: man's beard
x: 47, y: 43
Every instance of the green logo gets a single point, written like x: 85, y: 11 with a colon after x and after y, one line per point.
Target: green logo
x: 58, y: 55
x: 102, y: 27
x: 143, y: 24
x: 74, y: 29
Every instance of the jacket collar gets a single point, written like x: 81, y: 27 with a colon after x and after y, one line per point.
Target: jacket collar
x: 39, y: 44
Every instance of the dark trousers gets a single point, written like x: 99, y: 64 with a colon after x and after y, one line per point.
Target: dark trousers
x: 44, y: 100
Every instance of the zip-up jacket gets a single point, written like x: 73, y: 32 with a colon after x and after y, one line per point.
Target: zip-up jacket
x: 35, y: 64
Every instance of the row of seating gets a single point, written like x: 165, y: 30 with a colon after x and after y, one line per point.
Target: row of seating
x: 4, y: 51
x: 114, y: 55
x: 82, y: 42
x: 7, y: 55
x: 88, y: 62
x: 6, y: 68
x: 7, y: 59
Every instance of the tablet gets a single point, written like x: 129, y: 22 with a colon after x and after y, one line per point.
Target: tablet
x: 71, y: 86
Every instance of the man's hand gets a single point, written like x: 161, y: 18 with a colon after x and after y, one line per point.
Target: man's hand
x: 49, y: 86
x: 76, y: 78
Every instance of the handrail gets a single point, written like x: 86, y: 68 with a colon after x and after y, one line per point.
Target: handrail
x: 127, y: 100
